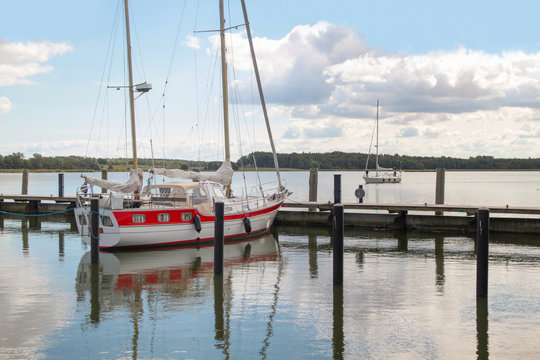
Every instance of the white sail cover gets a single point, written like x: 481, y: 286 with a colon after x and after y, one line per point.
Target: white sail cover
x: 133, y: 184
x: 380, y: 168
x: 223, y: 175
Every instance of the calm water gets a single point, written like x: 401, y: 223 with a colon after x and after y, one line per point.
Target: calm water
x: 405, y: 296
x: 515, y: 188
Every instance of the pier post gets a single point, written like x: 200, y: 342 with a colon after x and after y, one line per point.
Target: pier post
x: 219, y: 228
x: 103, y: 177
x: 338, y: 244
x: 337, y: 188
x: 439, y: 189
x: 94, y: 232
x: 61, y: 185
x: 482, y: 254
x: 24, y: 190
x: 313, y: 183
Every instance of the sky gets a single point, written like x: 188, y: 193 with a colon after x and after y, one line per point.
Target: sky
x: 455, y: 79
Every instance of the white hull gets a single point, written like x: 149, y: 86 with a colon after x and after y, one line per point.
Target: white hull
x: 390, y: 179
x: 121, y: 232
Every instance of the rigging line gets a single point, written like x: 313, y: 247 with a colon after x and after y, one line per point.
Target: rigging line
x: 102, y: 76
x: 370, y: 143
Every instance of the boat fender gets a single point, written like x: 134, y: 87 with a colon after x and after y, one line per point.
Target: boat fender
x: 247, y: 224
x: 197, y: 223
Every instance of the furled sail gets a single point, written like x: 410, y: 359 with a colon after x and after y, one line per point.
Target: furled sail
x: 133, y: 184
x: 223, y: 175
x: 380, y: 168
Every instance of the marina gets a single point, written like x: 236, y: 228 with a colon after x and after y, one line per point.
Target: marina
x: 144, y: 213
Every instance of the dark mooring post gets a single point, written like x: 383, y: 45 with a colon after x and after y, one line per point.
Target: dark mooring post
x: 24, y: 190
x: 61, y: 185
x: 338, y: 244
x: 313, y: 183
x: 439, y: 189
x: 103, y: 177
x: 219, y: 227
x: 482, y: 254
x: 94, y: 231
x: 337, y: 188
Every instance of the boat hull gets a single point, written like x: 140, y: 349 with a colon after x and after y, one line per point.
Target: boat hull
x: 382, y: 179
x: 120, y: 231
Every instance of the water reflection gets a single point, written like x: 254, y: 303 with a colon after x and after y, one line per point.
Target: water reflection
x: 313, y: 267
x: 482, y: 350
x: 129, y: 279
x: 24, y: 232
x: 439, y: 263
x: 338, y: 345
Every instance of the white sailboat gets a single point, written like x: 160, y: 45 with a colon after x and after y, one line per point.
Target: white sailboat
x: 177, y: 212
x: 380, y: 175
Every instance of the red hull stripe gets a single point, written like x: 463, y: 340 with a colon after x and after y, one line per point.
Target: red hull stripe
x: 186, y: 242
x: 125, y: 217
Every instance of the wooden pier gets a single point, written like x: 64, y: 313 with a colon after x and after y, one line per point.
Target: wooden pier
x: 36, y: 204
x: 412, y: 217
x: 460, y: 218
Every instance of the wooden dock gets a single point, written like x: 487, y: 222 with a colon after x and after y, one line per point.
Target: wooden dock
x: 36, y: 204
x: 520, y: 220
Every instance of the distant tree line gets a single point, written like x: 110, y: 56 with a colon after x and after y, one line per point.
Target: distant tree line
x: 39, y: 162
x: 325, y: 161
x: 357, y: 161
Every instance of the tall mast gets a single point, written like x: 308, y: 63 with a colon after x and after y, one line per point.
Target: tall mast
x: 377, y: 142
x: 225, y: 86
x: 131, y: 98
x: 261, y: 95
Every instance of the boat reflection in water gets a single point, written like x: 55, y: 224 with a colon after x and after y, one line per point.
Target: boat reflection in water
x: 170, y: 271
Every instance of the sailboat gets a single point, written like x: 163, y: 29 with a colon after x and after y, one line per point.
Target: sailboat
x: 380, y: 175
x: 178, y: 212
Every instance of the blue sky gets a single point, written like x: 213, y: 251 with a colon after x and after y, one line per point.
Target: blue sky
x: 457, y: 78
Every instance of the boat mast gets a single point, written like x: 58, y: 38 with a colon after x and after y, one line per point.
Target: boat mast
x: 377, y: 143
x: 225, y: 87
x: 261, y: 95
x: 131, y: 97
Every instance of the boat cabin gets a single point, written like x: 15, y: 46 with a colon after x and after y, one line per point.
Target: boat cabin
x: 199, y: 195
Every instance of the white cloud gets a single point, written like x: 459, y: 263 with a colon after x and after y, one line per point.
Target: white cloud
x: 20, y: 61
x: 192, y: 42
x: 5, y: 105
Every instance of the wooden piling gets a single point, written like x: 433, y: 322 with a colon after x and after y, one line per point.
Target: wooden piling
x: 338, y: 244
x: 103, y: 177
x: 439, y: 189
x: 337, y: 188
x: 94, y: 230
x: 482, y: 253
x: 219, y: 228
x: 24, y: 190
x: 313, y: 184
x: 61, y: 185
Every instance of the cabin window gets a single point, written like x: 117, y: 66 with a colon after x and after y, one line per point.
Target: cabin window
x: 187, y: 216
x: 106, y: 221
x: 82, y: 220
x: 219, y: 195
x: 198, y: 196
x: 138, y: 218
x: 165, y: 217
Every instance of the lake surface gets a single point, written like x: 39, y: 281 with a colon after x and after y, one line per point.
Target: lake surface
x: 405, y: 295
x: 515, y: 188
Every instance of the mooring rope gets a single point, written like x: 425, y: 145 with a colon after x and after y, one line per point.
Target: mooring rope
x: 54, y: 213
